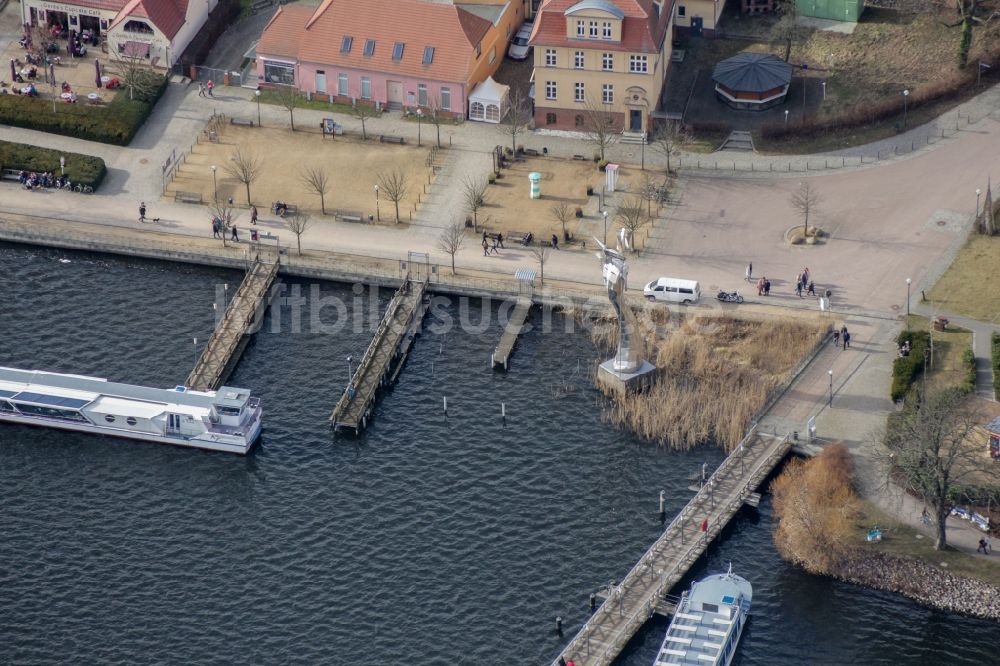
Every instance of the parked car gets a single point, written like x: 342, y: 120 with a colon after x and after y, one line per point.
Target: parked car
x: 672, y: 290
x: 519, y: 48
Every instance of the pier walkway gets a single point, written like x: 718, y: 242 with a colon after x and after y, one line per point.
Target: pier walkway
x: 504, y: 348
x: 230, y: 335
x: 391, y: 343
x: 637, y: 597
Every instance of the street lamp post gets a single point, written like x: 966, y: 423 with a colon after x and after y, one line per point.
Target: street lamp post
x: 256, y: 94
x: 378, y: 216
x: 215, y: 184
x: 786, y: 118
x: 62, y: 172
x: 420, y: 117
x: 830, y: 372
x: 908, y: 296
x: 823, y: 83
x: 906, y: 95
x: 978, y: 192
x: 350, y: 370
x: 605, y: 214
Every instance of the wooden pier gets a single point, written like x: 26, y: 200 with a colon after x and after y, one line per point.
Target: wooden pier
x: 232, y: 333
x: 518, y: 316
x: 630, y: 603
x: 385, y: 356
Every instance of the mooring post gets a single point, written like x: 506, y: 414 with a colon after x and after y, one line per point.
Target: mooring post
x: 593, y: 602
x: 663, y: 507
x: 559, y: 625
x: 503, y: 413
x: 446, y: 405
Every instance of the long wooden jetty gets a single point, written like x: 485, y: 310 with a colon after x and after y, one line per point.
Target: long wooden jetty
x: 641, y: 593
x: 518, y: 316
x: 385, y: 356
x: 231, y: 334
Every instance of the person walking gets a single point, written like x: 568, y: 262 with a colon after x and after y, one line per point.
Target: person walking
x: 235, y: 236
x: 210, y: 86
x: 500, y: 241
x: 798, y: 289
x: 760, y: 287
x: 836, y: 337
x: 812, y: 288
x: 750, y: 272
x: 253, y: 214
x: 215, y: 227
x: 555, y: 242
x: 201, y: 89
x: 493, y: 248
x: 486, y: 247
x: 142, y: 211
x: 847, y: 340
x: 982, y: 546
x: 767, y: 287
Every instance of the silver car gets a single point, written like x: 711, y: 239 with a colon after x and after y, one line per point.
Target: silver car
x: 519, y: 48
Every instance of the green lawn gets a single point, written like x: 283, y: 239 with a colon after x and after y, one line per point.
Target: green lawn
x: 971, y: 285
x: 949, y: 346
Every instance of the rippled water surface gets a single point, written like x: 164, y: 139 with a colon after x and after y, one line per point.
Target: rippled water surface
x: 431, y: 539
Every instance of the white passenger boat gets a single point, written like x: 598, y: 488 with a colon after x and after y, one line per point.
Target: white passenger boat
x: 224, y: 420
x: 708, y: 623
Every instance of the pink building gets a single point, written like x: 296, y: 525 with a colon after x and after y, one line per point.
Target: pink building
x: 393, y: 53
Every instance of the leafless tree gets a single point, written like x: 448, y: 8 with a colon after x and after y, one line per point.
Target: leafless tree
x: 649, y: 191
x: 317, y: 179
x: 245, y: 166
x: 393, y: 184
x: 298, y: 223
x: 600, y: 125
x: 474, y: 193
x: 518, y: 117
x: 632, y: 218
x: 223, y: 213
x: 787, y: 31
x: 137, y: 77
x: 290, y: 98
x: 451, y: 240
x: 541, y: 253
x: 363, y: 111
x: 671, y: 139
x: 563, y: 213
x: 805, y: 200
x: 930, y: 449
x: 435, y: 114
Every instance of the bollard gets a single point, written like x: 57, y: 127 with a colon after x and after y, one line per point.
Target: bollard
x: 446, y: 405
x: 593, y: 601
x: 503, y: 413
x: 663, y: 507
x: 559, y: 625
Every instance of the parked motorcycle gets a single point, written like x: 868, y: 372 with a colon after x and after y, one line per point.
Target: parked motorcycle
x: 730, y: 297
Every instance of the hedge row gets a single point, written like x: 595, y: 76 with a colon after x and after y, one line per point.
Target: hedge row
x: 969, y: 362
x: 85, y: 169
x: 115, y: 123
x: 905, y: 369
x: 996, y: 363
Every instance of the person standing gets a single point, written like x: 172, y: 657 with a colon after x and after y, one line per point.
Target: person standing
x: 253, y: 214
x: 210, y: 86
x: 555, y: 242
x: 235, y: 236
x: 767, y: 287
x: 798, y: 289
x: 500, y: 241
x: 836, y: 337
x: 847, y: 340
x: 760, y: 287
x: 142, y: 211
x: 812, y: 288
x: 750, y: 272
x: 215, y: 227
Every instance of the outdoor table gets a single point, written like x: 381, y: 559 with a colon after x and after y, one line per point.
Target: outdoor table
x: 67, y: 96
x: 93, y: 97
x: 105, y: 79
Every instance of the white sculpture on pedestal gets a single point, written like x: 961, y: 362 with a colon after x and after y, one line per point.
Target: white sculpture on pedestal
x: 615, y: 272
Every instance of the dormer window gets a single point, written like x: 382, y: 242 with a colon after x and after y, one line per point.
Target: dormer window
x: 593, y: 29
x: 428, y: 55
x: 581, y: 28
x: 345, y: 44
x: 138, y: 26
x: 607, y: 30
x: 397, y: 50
x: 369, y: 47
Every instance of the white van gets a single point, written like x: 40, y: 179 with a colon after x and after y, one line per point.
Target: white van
x: 672, y: 290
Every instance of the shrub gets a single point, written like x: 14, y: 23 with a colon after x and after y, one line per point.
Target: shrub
x: 905, y: 369
x: 115, y: 123
x: 969, y: 363
x: 996, y: 363
x: 85, y: 169
x: 602, y: 164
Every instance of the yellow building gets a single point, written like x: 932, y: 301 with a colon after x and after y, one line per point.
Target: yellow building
x: 607, y: 54
x: 698, y: 17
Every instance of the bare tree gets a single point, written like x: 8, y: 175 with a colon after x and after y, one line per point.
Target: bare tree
x: 518, y: 117
x: 290, y: 98
x: 137, y: 77
x: 224, y: 215
x: 298, y: 223
x: 600, y: 125
x: 787, y: 31
x: 393, y: 183
x: 804, y: 200
x: 563, y: 213
x: 930, y: 449
x: 649, y: 191
x: 474, y: 193
x: 451, y: 240
x: 363, y: 112
x: 317, y: 179
x: 437, y: 118
x: 671, y: 139
x: 541, y: 253
x: 245, y: 166
x: 632, y: 218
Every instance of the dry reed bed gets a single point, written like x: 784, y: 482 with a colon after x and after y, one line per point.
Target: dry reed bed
x: 715, y: 374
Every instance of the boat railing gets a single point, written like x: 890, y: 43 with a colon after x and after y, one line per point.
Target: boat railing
x: 641, y: 614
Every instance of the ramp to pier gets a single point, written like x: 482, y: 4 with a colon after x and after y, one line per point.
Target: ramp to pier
x: 631, y: 603
x: 390, y: 343
x: 220, y: 353
x: 513, y: 329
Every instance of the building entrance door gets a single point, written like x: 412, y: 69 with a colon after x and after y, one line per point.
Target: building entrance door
x: 321, y: 82
x: 696, y: 23
x: 394, y: 92
x: 635, y: 120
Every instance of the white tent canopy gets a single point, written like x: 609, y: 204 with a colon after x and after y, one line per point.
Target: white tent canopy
x: 488, y: 101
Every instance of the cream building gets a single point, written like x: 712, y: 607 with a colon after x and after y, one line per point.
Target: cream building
x: 609, y: 54
x: 698, y: 17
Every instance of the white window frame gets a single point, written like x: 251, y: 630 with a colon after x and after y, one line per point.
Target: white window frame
x: 606, y: 30
x: 593, y: 29
x: 608, y: 93
x: 342, y: 82
x: 551, y: 90
x: 550, y: 57
x: 581, y: 28
x: 578, y: 60
x: 421, y: 94
x: 446, y: 99
x: 365, y: 81
x: 608, y: 62
x: 638, y: 64
x: 579, y: 93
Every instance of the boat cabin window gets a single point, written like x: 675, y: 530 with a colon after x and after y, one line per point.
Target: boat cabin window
x: 711, y: 608
x: 110, y: 418
x: 227, y: 411
x: 50, y: 412
x: 6, y: 406
x: 131, y: 421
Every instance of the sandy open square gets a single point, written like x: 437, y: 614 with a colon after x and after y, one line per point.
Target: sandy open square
x: 353, y: 166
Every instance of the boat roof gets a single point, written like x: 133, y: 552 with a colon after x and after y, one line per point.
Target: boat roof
x: 704, y: 621
x: 74, y: 391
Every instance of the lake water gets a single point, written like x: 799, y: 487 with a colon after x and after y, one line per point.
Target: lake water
x: 430, y: 539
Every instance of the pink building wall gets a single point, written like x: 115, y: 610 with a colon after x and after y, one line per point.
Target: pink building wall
x: 305, y: 80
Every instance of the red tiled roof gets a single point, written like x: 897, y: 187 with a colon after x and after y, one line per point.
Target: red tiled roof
x: 297, y: 32
x: 166, y: 15
x: 643, y: 30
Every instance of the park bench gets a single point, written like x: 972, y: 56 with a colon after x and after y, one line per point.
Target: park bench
x: 241, y: 122
x: 579, y: 157
x: 518, y: 237
x: 348, y: 216
x: 384, y: 138
x: 290, y: 209
x: 11, y: 174
x: 532, y: 152
x: 187, y: 197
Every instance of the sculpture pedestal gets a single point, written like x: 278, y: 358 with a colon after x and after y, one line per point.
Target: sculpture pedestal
x: 625, y: 382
